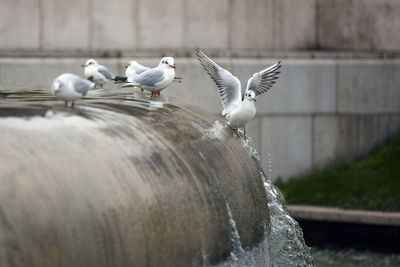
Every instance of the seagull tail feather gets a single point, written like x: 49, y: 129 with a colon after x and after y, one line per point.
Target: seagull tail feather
x: 119, y: 78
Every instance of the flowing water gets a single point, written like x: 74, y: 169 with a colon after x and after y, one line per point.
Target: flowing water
x: 283, y: 243
x: 278, y: 237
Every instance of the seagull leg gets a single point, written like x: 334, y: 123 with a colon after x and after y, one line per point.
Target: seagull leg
x: 73, y: 104
x: 65, y: 104
x: 141, y: 90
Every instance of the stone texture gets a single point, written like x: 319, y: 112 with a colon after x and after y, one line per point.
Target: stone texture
x: 338, y: 139
x: 313, y: 213
x: 225, y: 24
x: 206, y: 24
x: 287, y: 141
x: 160, y: 24
x: 19, y: 24
x: 114, y: 25
x: 367, y: 86
x: 252, y: 24
x: 66, y: 24
x: 254, y: 132
x: 304, y: 86
x: 359, y: 24
x: 326, y: 137
x: 295, y: 24
x: 115, y: 182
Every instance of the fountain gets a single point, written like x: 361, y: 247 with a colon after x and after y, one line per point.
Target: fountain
x: 125, y: 180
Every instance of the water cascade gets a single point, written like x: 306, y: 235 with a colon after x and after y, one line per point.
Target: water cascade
x: 124, y: 180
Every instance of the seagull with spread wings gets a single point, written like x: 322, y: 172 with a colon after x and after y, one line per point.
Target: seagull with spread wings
x: 238, y: 104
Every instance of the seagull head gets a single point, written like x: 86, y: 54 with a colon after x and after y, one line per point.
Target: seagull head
x: 56, y: 87
x: 168, y: 62
x: 250, y: 95
x: 90, y: 62
x: 131, y: 64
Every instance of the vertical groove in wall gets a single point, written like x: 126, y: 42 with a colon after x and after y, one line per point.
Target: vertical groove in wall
x: 336, y: 87
x: 313, y: 140
x: 185, y: 23
x: 274, y: 34
x: 90, y: 26
x: 316, y: 25
x: 136, y: 11
x: 41, y: 12
x: 229, y: 21
x: 260, y: 131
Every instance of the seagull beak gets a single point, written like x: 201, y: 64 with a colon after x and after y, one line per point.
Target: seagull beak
x: 84, y: 65
x: 254, y: 100
x: 172, y: 66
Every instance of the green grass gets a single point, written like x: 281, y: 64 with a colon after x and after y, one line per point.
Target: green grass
x: 372, y: 183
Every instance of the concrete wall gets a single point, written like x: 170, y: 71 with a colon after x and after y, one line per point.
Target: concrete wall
x: 145, y: 25
x: 321, y: 112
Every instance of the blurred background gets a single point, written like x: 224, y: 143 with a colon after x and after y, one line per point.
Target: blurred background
x: 337, y: 97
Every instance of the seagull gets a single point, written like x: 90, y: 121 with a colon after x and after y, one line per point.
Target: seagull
x: 238, y: 104
x: 99, y: 73
x: 153, y: 80
x: 70, y: 87
x: 133, y: 69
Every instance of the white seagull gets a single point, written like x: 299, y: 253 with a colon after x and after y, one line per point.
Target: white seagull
x: 133, y: 69
x: 153, y: 80
x: 100, y: 73
x: 238, y: 105
x: 70, y: 87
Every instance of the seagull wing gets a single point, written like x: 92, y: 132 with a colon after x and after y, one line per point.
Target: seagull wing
x: 81, y: 86
x: 105, y: 72
x: 149, y: 77
x: 262, y: 81
x: 228, y: 85
x: 138, y: 68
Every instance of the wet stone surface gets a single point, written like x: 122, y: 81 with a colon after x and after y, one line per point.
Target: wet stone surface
x: 122, y: 179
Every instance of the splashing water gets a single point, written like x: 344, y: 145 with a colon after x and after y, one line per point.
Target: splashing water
x: 235, y: 237
x: 283, y: 243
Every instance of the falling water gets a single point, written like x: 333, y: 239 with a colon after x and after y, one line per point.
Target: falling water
x: 235, y: 237
x: 149, y: 186
x: 284, y: 240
